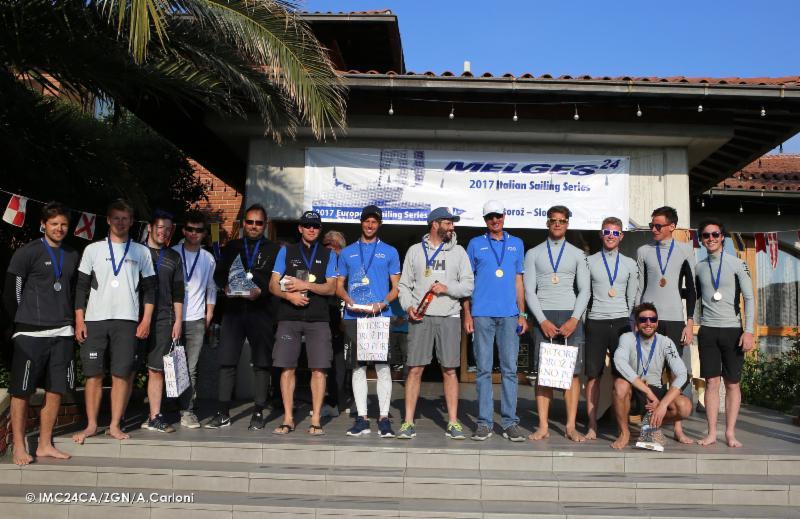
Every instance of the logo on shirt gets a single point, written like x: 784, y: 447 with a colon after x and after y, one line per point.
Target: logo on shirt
x: 380, y: 255
x: 512, y: 248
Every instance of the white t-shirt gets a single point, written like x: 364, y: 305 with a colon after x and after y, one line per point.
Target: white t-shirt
x: 105, y: 300
x: 200, y: 289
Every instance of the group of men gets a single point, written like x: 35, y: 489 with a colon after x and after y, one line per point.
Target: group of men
x: 128, y: 294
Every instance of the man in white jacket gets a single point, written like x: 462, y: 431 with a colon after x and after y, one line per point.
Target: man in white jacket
x: 437, y: 264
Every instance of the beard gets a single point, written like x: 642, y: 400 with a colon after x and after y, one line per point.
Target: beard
x: 443, y: 235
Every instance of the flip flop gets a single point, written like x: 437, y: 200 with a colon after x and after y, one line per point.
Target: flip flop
x: 283, y: 429
x: 316, y: 430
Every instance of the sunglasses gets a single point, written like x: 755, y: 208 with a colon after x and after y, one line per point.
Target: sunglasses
x: 612, y: 232
x: 493, y: 216
x: 648, y: 319
x: 311, y: 226
x: 557, y: 221
x: 658, y: 226
x: 257, y: 223
x: 707, y: 235
x: 190, y: 229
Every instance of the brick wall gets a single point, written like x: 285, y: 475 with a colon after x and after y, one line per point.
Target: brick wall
x: 224, y: 202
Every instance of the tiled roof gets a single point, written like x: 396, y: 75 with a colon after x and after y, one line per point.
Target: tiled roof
x: 769, y: 173
x: 789, y: 81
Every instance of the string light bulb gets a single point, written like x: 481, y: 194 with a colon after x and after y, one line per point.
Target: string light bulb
x: 702, y: 203
x: 391, y: 108
x: 452, y: 113
x: 515, y: 118
x: 699, y: 108
x: 741, y: 207
x: 763, y: 112
x: 576, y: 116
x: 638, y: 111
x: 779, y: 210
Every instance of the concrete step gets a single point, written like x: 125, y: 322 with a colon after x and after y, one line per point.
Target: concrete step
x: 230, y: 505
x: 407, y: 482
x: 494, y: 454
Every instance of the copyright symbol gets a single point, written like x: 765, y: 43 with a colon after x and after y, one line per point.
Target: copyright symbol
x: 30, y: 497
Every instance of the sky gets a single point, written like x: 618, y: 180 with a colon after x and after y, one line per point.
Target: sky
x: 716, y: 38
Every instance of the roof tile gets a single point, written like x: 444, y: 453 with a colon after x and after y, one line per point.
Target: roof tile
x: 768, y: 173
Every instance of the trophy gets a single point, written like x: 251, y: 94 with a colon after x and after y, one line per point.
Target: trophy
x: 238, y: 283
x: 651, y: 438
x: 361, y: 293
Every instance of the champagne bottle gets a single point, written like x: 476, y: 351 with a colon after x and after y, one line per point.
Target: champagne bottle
x: 422, y: 307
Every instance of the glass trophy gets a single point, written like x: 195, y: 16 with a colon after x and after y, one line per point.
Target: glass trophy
x: 238, y: 284
x: 650, y: 438
x: 361, y: 292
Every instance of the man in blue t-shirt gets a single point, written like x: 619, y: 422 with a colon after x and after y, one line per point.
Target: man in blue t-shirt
x: 496, y: 312
x: 369, y: 271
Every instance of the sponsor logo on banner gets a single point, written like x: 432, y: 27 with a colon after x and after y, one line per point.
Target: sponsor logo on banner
x: 407, y: 184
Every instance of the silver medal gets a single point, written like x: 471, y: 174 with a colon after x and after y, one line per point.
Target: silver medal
x: 114, y: 283
x: 57, y: 286
x: 249, y: 275
x: 717, y: 296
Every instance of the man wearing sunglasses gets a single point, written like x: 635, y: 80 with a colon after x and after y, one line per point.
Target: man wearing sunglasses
x: 247, y: 317
x: 720, y: 279
x: 496, y: 312
x: 614, y: 282
x: 640, y: 359
x: 200, y: 297
x: 553, y: 271
x: 303, y: 277
x: 666, y: 277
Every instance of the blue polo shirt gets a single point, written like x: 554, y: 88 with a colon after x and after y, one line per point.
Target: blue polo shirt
x: 494, y: 296
x: 331, y: 269
x: 385, y: 262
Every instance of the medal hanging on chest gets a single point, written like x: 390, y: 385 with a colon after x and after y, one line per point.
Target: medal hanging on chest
x: 498, y: 257
x: 188, y: 272
x: 663, y: 267
x: 250, y: 259
x: 715, y: 280
x: 429, y: 261
x: 309, y: 262
x: 612, y: 292
x: 58, y: 266
x: 365, y: 268
x: 114, y: 267
x: 554, y: 278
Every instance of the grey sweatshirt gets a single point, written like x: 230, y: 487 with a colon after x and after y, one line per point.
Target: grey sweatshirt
x: 542, y: 294
x: 603, y: 305
x: 733, y: 280
x: 679, y: 270
x: 628, y: 364
x: 451, y: 268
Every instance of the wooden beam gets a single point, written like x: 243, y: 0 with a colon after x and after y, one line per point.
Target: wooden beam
x: 777, y: 331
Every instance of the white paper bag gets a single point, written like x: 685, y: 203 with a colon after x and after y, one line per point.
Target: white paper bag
x: 373, y: 339
x: 176, y: 371
x: 557, y: 364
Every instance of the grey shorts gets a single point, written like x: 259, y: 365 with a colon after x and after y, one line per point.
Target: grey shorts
x: 288, y: 340
x: 116, y: 336
x: 559, y: 317
x: 441, y: 333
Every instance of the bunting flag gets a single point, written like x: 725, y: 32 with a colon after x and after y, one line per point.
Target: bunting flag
x: 738, y: 241
x: 215, y: 240
x: 15, y: 211
x: 772, y: 243
x: 761, y: 242
x: 693, y: 237
x: 85, y: 227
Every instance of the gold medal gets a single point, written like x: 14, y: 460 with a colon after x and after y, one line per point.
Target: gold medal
x: 365, y: 280
x: 499, y: 273
x: 555, y: 279
x: 312, y: 278
x: 427, y: 272
x: 662, y: 282
x: 612, y: 292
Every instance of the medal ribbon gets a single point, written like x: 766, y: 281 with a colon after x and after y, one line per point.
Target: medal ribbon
x: 608, y: 270
x: 669, y: 254
x: 187, y: 273
x: 157, y: 264
x: 310, y: 260
x: 361, y: 255
x: 429, y: 262
x: 58, y: 266
x: 645, y: 367
x: 715, y: 281
x: 502, y: 255
x: 248, y: 258
x: 114, y: 266
x: 550, y: 255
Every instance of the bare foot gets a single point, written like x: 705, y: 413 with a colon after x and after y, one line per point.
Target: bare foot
x: 732, y: 441
x: 539, y: 434
x: 575, y: 436
x: 21, y: 456
x: 49, y: 451
x: 117, y: 433
x: 591, y: 434
x: 711, y: 439
x: 622, y: 441
x: 682, y: 438
x: 80, y: 437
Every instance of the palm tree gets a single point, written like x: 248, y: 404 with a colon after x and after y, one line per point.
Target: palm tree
x: 228, y: 56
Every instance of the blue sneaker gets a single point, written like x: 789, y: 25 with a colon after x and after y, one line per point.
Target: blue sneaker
x: 407, y: 431
x: 385, y: 428
x: 455, y: 431
x: 360, y: 426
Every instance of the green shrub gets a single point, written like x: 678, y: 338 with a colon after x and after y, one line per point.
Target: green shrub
x: 773, y: 382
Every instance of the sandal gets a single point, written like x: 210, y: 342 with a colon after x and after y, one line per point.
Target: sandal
x: 316, y: 430
x: 284, y: 429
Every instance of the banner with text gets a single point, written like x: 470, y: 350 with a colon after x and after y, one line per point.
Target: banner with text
x: 406, y: 184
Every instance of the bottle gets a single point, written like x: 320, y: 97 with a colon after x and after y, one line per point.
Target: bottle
x: 422, y: 307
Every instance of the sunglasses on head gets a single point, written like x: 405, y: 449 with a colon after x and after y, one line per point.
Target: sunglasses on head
x: 311, y: 226
x: 559, y: 221
x: 648, y: 319
x: 612, y: 232
x: 257, y: 223
x: 707, y: 235
x: 658, y: 226
x: 189, y: 228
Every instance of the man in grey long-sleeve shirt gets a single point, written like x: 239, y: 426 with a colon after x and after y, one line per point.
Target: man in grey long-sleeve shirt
x: 721, y: 278
x: 640, y: 359
x: 437, y: 264
x: 552, y: 270
x: 614, y: 282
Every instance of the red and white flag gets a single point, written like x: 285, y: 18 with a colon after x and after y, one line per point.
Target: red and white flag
x: 85, y: 227
x: 772, y: 244
x: 15, y: 210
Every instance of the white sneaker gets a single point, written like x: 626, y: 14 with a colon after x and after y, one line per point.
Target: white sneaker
x: 189, y: 420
